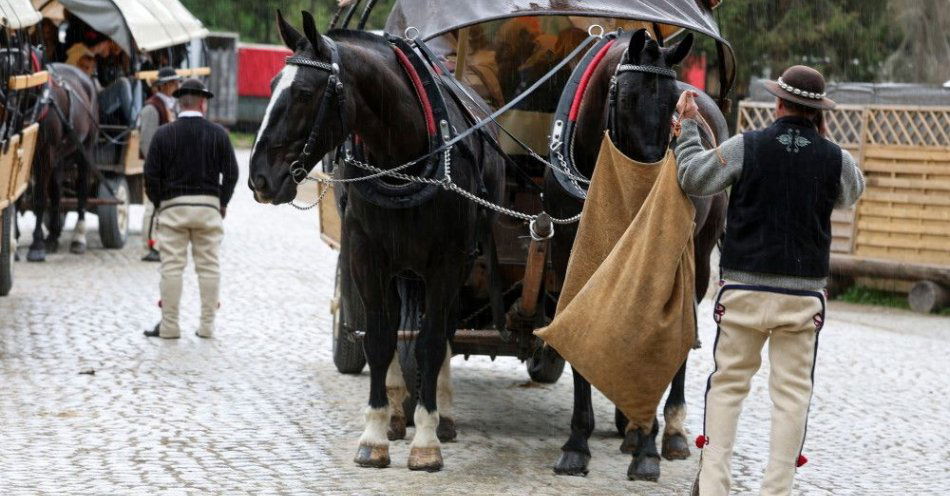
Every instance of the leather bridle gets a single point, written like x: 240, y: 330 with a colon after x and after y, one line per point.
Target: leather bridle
x: 301, y: 167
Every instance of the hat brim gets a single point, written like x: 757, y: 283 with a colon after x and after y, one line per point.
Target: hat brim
x: 192, y: 91
x: 822, y: 104
x: 169, y: 79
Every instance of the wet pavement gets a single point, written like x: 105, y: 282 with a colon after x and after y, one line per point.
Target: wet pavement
x: 260, y: 409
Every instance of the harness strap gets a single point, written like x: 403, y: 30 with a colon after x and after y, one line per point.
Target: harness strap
x: 585, y: 80
x: 417, y: 86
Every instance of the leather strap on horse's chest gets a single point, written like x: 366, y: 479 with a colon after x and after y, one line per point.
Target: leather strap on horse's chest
x: 565, y: 117
x: 435, y: 112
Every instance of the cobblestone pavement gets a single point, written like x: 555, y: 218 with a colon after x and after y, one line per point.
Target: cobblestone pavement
x: 260, y: 409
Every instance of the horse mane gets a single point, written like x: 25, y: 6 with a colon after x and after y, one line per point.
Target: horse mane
x: 364, y: 39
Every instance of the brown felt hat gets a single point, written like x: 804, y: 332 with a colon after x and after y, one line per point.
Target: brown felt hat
x: 192, y: 86
x: 802, y: 85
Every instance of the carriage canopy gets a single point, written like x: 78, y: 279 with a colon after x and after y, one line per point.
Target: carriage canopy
x: 145, y: 24
x: 18, y: 14
x: 666, y: 18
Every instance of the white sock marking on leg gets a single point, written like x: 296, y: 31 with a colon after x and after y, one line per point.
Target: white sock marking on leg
x: 426, y: 424
x: 377, y: 423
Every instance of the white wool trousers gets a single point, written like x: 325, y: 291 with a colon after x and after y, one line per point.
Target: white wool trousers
x: 195, y: 221
x: 748, y: 317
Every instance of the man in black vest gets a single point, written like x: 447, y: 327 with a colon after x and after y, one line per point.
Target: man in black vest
x: 785, y: 180
x: 190, y: 173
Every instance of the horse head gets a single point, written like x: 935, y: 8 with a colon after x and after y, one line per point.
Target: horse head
x: 304, y: 118
x: 645, y: 96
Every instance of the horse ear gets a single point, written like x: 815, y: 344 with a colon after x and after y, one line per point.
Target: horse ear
x: 637, y: 40
x: 676, y: 54
x: 287, y: 32
x: 313, y: 35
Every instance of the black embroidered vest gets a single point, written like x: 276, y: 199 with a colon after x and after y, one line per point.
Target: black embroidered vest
x: 779, y: 219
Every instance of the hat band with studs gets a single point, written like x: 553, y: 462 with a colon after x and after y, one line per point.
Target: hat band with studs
x: 799, y: 92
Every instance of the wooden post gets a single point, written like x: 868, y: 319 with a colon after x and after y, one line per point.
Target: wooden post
x: 928, y: 296
x: 536, y: 264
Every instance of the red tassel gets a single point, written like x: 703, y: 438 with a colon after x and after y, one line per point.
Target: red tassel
x: 159, y: 303
x: 701, y: 441
x: 151, y: 243
x: 801, y: 460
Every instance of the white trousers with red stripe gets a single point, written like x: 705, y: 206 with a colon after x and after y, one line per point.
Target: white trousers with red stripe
x: 748, y: 316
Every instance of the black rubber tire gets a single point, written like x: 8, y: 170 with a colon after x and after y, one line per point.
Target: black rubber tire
x: 114, y: 219
x: 546, y: 366
x: 406, y: 352
x: 348, y: 353
x: 620, y: 421
x: 6, y: 249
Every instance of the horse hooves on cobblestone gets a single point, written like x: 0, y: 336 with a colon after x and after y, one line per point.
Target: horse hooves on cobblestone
x: 675, y: 447
x: 425, y: 459
x: 36, y: 255
x: 77, y: 248
x: 572, y: 463
x: 372, y: 456
x: 644, y: 468
x: 446, y: 430
x: 397, y: 428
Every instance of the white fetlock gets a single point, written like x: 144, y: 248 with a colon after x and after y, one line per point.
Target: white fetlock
x: 377, y: 422
x: 426, y: 425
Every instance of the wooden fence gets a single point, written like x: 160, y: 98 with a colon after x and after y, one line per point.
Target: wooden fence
x: 904, y: 152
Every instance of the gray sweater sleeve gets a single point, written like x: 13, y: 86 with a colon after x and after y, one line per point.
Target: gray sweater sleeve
x: 852, y: 181
x: 704, y: 172
x: 148, y: 124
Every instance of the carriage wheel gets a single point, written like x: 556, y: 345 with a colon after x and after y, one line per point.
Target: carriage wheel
x: 114, y: 219
x: 7, y: 249
x: 347, y: 347
x: 545, y: 366
x: 620, y: 420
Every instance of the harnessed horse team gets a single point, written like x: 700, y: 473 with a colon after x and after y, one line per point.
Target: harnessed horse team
x: 408, y: 233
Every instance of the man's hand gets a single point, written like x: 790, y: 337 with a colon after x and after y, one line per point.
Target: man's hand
x: 224, y: 212
x: 686, y: 106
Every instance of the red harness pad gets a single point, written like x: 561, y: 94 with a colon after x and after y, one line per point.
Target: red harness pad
x: 585, y: 80
x: 420, y: 91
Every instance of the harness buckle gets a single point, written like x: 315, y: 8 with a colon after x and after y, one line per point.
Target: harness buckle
x: 444, y: 127
x: 297, y: 172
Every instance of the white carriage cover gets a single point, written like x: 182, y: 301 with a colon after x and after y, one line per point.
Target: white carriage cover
x: 18, y: 14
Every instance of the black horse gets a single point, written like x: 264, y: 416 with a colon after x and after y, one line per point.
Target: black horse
x: 644, y: 109
x: 385, y: 251
x: 72, y: 102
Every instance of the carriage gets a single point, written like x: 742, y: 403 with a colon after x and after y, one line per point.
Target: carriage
x: 20, y: 81
x: 485, y: 43
x: 144, y: 35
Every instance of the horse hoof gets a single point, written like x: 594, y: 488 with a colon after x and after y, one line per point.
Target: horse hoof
x: 675, y: 447
x: 425, y: 459
x: 36, y: 255
x: 646, y: 468
x: 397, y: 428
x: 572, y: 463
x: 372, y: 456
x: 446, y: 430
x: 77, y: 248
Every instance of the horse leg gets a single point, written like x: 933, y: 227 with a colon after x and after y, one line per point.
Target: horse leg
x: 425, y: 451
x: 379, y: 344
x: 55, y: 200
x: 78, y: 243
x: 41, y: 169
x: 575, y: 454
x: 444, y: 395
x: 396, y: 393
x: 646, y: 461
x: 675, y: 446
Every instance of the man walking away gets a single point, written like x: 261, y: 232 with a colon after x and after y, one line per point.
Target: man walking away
x: 159, y: 110
x: 190, y: 175
x: 785, y: 181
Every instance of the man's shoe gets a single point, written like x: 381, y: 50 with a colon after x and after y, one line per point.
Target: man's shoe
x: 152, y: 256
x: 202, y: 336
x: 156, y: 333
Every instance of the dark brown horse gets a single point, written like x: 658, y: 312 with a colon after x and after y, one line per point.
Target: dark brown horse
x: 386, y: 251
x: 641, y: 129
x: 71, y: 102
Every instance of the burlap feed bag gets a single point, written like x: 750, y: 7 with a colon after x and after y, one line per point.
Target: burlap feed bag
x: 625, y: 318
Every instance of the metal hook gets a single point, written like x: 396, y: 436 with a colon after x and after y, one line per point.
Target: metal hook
x: 410, y: 29
x: 591, y: 30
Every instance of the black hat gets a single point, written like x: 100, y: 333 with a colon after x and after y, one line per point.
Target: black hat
x: 167, y: 75
x: 192, y: 86
x: 802, y: 85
